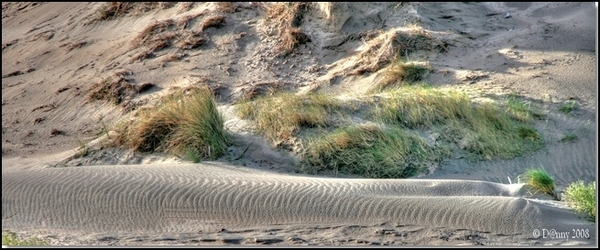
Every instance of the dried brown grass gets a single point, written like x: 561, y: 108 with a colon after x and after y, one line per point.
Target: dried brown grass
x: 259, y: 89
x: 148, y: 53
x: 198, y: 83
x: 163, y: 34
x: 112, y: 10
x: 190, y: 40
x: 212, y: 21
x: 148, y: 33
x: 185, y: 6
x: 174, y: 57
x: 114, y: 89
x: 225, y: 7
x: 286, y: 18
x: 184, y: 22
x: 325, y: 8
x: 143, y: 7
x: 384, y: 48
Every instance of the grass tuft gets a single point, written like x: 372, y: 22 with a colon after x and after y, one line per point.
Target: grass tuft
x: 539, y: 181
x: 385, y: 47
x: 568, y: 107
x: 11, y: 239
x: 149, y: 36
x: 188, y: 125
x: 582, y: 198
x: 225, y: 7
x: 413, y: 128
x: 519, y: 110
x: 400, y: 73
x: 570, y: 137
x: 112, y: 10
x: 114, y: 89
x: 482, y: 129
x: 213, y: 21
x: 163, y: 34
x: 286, y: 18
x: 280, y: 117
x: 369, y: 151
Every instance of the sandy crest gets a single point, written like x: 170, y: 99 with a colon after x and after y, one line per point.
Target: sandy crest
x: 207, y: 198
x: 51, y: 55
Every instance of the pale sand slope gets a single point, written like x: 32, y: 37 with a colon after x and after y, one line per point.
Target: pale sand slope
x: 545, y: 51
x: 202, y: 199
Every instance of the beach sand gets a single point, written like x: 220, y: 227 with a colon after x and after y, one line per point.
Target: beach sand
x: 53, y: 52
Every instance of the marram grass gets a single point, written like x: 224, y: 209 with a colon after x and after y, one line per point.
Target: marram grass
x: 11, y: 239
x: 483, y: 129
x: 187, y: 125
x: 539, y: 181
x: 582, y: 198
x: 414, y: 128
x: 370, y: 151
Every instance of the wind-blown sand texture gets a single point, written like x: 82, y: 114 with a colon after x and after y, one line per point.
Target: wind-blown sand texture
x: 52, y: 53
x: 204, y: 199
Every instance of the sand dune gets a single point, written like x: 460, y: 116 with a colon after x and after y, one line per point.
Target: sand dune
x: 53, y: 52
x: 205, y: 198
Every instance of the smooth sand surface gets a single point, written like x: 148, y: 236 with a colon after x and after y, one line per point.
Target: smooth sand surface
x: 53, y: 52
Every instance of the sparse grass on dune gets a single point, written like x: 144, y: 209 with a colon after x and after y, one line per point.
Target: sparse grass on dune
x: 286, y: 18
x: 539, y: 181
x: 568, y: 107
x: 114, y: 89
x: 386, y: 47
x: 395, y: 147
x: 10, y: 239
x: 212, y: 21
x: 148, y: 33
x: 582, y: 198
x: 111, y: 10
x: 569, y: 137
x: 370, y: 151
x: 160, y: 35
x: 182, y: 124
x: 399, y: 73
x: 281, y: 116
x: 325, y: 8
x: 225, y: 7
x: 482, y: 129
x: 522, y: 111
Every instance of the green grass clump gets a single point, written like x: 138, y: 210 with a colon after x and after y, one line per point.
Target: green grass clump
x: 568, y: 107
x: 186, y: 125
x: 395, y: 147
x: 482, y: 129
x: 582, y: 198
x: 280, y: 117
x: 400, y: 73
x: 10, y: 239
x: 369, y: 151
x: 570, y: 137
x: 539, y: 181
x: 522, y: 111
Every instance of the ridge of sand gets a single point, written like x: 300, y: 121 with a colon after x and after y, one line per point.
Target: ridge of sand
x: 52, y: 53
x: 204, y: 198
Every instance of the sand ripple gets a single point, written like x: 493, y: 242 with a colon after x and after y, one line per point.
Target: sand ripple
x: 196, y: 198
